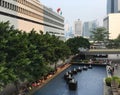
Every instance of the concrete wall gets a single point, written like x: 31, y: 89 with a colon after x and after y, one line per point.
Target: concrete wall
x: 29, y: 14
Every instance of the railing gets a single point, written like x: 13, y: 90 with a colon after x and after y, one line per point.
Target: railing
x: 104, y: 51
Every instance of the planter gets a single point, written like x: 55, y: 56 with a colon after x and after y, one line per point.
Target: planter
x: 108, y: 81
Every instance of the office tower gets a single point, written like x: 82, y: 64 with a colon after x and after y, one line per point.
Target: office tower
x: 78, y: 28
x: 113, y: 6
x: 88, y: 27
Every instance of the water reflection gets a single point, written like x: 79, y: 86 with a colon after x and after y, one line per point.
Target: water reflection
x: 73, y: 92
x: 90, y: 82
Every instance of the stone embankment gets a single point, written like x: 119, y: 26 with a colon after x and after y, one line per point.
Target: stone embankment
x: 59, y: 70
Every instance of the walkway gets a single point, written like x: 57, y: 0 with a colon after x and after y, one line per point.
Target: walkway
x: 107, y: 90
x: 117, y: 71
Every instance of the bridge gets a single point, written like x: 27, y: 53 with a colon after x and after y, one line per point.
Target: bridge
x: 102, y: 51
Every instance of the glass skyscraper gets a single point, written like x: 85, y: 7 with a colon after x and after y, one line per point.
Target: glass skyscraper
x: 113, y: 6
x: 88, y: 27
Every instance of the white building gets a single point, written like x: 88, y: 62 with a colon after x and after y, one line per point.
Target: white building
x: 112, y: 24
x: 28, y: 14
x: 78, y: 28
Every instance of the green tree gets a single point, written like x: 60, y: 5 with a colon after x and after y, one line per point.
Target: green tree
x: 38, y: 66
x: 27, y: 56
x: 78, y: 42
x: 117, y: 41
x: 114, y: 43
x: 99, y: 34
x: 6, y: 73
x: 53, y: 49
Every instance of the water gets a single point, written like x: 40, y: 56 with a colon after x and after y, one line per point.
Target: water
x: 90, y: 82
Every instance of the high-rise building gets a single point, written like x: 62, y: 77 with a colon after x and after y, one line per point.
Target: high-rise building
x: 28, y: 14
x: 112, y: 24
x: 78, y: 28
x: 68, y: 31
x: 112, y: 21
x: 88, y: 27
x: 113, y: 6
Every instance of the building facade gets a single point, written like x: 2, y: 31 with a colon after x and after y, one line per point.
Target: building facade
x: 88, y: 27
x: 78, y: 28
x: 113, y: 6
x: 112, y: 21
x: 112, y: 24
x: 28, y: 14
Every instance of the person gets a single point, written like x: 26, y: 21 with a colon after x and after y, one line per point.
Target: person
x: 110, y: 70
x: 110, y: 62
x: 116, y: 65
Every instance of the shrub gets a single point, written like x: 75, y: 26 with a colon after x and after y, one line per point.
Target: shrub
x: 118, y: 81
x: 115, y: 78
x: 108, y: 81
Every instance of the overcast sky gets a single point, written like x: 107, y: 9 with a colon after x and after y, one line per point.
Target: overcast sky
x: 85, y: 10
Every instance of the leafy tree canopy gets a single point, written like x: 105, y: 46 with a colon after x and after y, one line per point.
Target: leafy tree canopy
x: 27, y: 56
x: 99, y: 34
x: 76, y: 43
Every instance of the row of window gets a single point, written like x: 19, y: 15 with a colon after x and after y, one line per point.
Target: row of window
x: 19, y: 9
x: 53, y: 22
x: 26, y: 12
x: 32, y: 6
x: 53, y: 33
x: 48, y: 14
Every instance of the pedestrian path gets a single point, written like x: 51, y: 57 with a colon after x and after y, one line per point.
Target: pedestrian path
x: 108, y: 90
x: 117, y: 71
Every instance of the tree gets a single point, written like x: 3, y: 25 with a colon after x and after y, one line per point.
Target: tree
x: 26, y: 56
x: 114, y: 43
x: 99, y: 34
x: 78, y: 42
x: 53, y: 49
x: 117, y: 42
x: 7, y: 75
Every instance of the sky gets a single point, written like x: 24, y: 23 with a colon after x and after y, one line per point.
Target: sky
x: 85, y: 10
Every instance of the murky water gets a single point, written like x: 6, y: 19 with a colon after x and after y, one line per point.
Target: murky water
x: 90, y: 82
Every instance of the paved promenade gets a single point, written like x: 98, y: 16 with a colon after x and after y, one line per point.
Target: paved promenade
x: 117, y: 71
x: 107, y: 90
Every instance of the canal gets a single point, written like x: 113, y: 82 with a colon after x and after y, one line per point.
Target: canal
x: 90, y: 82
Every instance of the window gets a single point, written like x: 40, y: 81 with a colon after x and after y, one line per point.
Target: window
x: 5, y: 5
x: 18, y: 9
x: 0, y: 2
x: 8, y: 6
x: 13, y: 7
